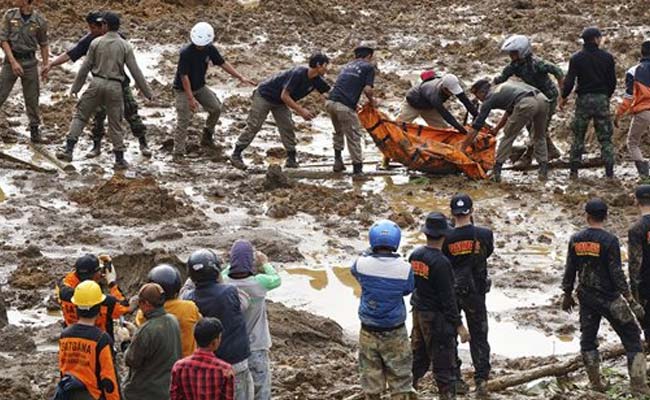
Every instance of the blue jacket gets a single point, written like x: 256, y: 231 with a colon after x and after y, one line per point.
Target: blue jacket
x: 222, y: 301
x: 385, y: 279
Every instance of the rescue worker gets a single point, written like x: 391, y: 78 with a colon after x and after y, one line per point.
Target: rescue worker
x: 22, y: 32
x: 221, y: 301
x: 523, y: 105
x: 468, y: 247
x: 251, y: 273
x: 279, y: 95
x: 90, y: 267
x: 436, y: 319
x: 636, y: 101
x: 595, y: 71
x: 535, y: 72
x: 639, y: 257
x: 202, y: 375
x: 97, y: 27
x: 385, y: 278
x: 191, y: 90
x: 594, y: 256
x: 86, y: 352
x: 357, y: 77
x: 186, y: 312
x: 106, y: 59
x: 154, y: 349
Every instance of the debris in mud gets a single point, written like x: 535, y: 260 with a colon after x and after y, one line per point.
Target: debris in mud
x: 30, y: 277
x: 545, y: 238
x: 132, y: 198
x: 403, y: 218
x: 31, y: 251
x: 276, y: 179
x: 3, y: 312
x: 166, y: 233
x: 15, y: 339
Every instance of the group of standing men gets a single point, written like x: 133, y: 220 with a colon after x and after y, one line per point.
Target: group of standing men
x: 206, y: 339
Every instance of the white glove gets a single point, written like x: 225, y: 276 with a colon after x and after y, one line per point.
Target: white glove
x: 109, y: 270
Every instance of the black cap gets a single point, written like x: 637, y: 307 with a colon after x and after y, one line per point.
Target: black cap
x: 643, y: 192
x: 461, y: 204
x: 435, y: 225
x: 596, y: 207
x: 86, y: 266
x: 591, y: 33
x: 112, y: 20
x: 95, y: 17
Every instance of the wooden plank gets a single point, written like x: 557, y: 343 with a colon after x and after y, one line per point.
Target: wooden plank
x: 25, y: 164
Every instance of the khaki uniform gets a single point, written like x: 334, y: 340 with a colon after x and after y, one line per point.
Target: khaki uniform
x: 24, y: 38
x: 531, y: 109
x: 431, y: 116
x: 210, y: 103
x: 346, y: 128
x: 256, y: 117
x: 106, y: 59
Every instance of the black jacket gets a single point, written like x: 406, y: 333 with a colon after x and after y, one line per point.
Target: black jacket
x: 595, y: 70
x: 468, y: 248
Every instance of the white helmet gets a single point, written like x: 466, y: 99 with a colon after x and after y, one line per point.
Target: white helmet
x: 202, y: 34
x: 518, y: 43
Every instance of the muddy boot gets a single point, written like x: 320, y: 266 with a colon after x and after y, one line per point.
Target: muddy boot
x: 461, y: 386
x: 591, y: 360
x: 482, y: 390
x: 385, y: 163
x: 553, y: 151
x: 291, y: 160
x: 542, y: 174
x: 207, y: 138
x: 609, y: 170
x: 446, y: 392
x: 144, y: 147
x: 642, y: 169
x: 120, y: 162
x: 236, y: 159
x: 496, y: 172
x: 357, y: 172
x: 35, y: 135
x: 65, y: 153
x: 526, y: 159
x: 339, y: 166
x: 636, y: 367
x: 96, y: 150
x: 575, y: 166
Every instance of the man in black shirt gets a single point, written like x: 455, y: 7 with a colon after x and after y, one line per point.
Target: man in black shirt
x: 189, y: 85
x: 468, y: 248
x: 639, y: 257
x: 277, y: 95
x: 436, y: 320
x: 595, y: 71
x: 594, y: 255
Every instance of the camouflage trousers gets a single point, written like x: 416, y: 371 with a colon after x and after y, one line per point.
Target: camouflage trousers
x: 385, y: 359
x: 130, y: 114
x: 592, y: 106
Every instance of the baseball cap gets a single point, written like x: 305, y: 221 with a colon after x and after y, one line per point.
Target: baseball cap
x: 435, y: 225
x: 451, y: 83
x: 642, y: 192
x: 596, y: 207
x: 461, y: 204
x: 86, y: 266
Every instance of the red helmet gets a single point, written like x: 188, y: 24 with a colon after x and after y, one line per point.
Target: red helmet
x: 427, y: 75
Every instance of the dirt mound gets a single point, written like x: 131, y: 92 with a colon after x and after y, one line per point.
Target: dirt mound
x: 276, y: 179
x: 132, y: 198
x: 15, y: 339
x: 132, y: 269
x: 29, y: 277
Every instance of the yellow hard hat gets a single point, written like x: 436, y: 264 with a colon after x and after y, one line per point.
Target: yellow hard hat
x: 87, y: 295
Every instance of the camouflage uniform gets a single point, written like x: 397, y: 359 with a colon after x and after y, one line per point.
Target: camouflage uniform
x: 385, y: 358
x: 639, y: 268
x: 130, y: 114
x: 592, y: 106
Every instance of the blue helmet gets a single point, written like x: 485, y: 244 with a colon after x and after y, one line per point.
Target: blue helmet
x: 385, y: 233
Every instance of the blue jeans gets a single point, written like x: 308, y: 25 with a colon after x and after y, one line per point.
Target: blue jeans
x: 259, y: 365
x: 243, y: 381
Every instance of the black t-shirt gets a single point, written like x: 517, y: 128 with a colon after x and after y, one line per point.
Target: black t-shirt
x: 434, y: 284
x: 295, y: 80
x: 468, y: 248
x: 81, y: 48
x: 354, y: 77
x: 194, y: 63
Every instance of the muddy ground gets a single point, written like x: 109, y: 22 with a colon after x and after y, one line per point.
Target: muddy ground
x: 163, y: 211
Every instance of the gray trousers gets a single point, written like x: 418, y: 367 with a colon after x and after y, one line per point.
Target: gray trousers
x: 638, y: 128
x: 346, y: 128
x: 256, y: 117
x: 259, y: 365
x: 531, y: 109
x: 431, y: 116
x: 106, y: 93
x: 210, y: 103
x: 244, y: 389
x: 31, y: 87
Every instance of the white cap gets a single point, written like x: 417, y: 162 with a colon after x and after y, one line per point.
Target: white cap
x: 202, y: 34
x: 451, y: 83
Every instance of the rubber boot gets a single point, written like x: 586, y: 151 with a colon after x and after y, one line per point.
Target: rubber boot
x: 35, y: 135
x: 542, y: 174
x: 575, y: 166
x: 642, y: 168
x: 207, y: 139
x: 291, y: 160
x: 65, y: 153
x: 526, y: 159
x: 591, y: 360
x: 461, y: 386
x: 446, y: 392
x: 385, y: 163
x: 496, y: 172
x: 96, y: 150
x: 339, y: 166
x: 636, y: 367
x: 236, y: 159
x: 609, y: 170
x: 482, y: 389
x: 120, y: 162
x: 553, y: 151
x: 144, y: 147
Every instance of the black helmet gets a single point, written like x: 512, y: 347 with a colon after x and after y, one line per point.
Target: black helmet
x: 86, y: 266
x: 168, y: 277
x: 203, y: 265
